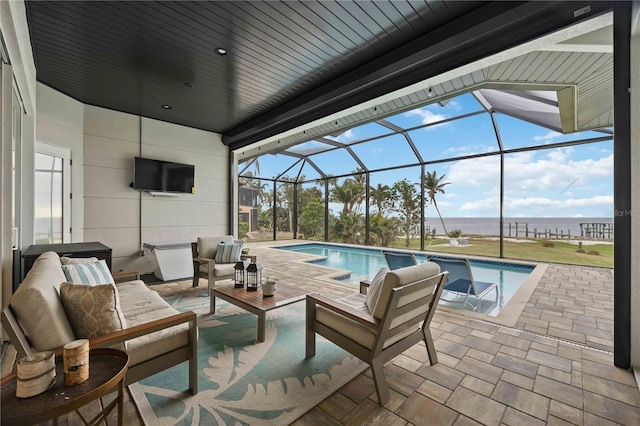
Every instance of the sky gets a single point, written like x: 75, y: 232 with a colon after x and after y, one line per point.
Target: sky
x: 559, y: 182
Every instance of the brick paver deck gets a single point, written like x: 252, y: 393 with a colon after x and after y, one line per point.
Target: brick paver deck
x: 554, y: 366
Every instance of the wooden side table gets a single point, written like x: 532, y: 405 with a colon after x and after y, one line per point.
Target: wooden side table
x: 107, y: 368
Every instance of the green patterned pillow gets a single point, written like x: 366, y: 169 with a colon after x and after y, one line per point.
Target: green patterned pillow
x: 88, y: 273
x: 92, y: 310
x: 228, y: 253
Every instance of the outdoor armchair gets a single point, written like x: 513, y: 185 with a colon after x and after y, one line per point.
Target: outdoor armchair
x: 393, y: 316
x: 209, y: 264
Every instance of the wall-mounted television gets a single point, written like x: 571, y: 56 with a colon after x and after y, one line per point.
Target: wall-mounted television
x: 163, y: 176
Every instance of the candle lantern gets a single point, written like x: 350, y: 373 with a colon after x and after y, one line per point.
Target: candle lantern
x: 254, y: 276
x: 238, y: 276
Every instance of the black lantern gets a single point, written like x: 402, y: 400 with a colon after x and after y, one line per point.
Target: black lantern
x: 238, y: 276
x: 254, y: 276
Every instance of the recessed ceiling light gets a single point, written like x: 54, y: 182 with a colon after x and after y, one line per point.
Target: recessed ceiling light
x: 221, y: 51
x: 166, y: 106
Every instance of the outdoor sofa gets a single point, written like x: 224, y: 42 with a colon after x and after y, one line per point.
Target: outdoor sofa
x: 41, y: 317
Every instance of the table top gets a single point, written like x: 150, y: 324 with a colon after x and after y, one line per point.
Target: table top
x: 284, y: 295
x: 107, y: 368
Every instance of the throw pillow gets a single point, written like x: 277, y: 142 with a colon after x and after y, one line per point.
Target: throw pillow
x: 92, y: 310
x: 374, y: 289
x: 88, y: 273
x: 228, y: 253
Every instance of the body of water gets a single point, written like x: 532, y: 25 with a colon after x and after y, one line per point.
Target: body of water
x: 365, y: 262
x: 491, y: 225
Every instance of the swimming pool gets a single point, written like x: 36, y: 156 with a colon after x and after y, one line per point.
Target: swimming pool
x: 365, y: 262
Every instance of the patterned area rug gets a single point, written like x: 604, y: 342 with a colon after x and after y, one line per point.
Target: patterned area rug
x: 239, y: 381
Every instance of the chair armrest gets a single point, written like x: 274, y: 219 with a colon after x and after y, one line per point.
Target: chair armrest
x: 364, y: 286
x: 110, y: 339
x: 343, y: 309
x: 124, y: 276
x: 203, y: 260
x: 253, y: 258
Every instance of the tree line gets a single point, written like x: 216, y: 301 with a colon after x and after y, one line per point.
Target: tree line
x: 393, y: 210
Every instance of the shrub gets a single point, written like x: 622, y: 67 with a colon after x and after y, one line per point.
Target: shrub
x: 243, y: 228
x: 594, y: 252
x: 581, y: 250
x: 548, y: 244
x: 456, y: 233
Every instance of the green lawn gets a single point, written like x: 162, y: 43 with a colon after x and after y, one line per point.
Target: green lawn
x: 561, y: 252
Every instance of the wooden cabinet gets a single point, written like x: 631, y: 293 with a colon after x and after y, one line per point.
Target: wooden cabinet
x: 93, y: 249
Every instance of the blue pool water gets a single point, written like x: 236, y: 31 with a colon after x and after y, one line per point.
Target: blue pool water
x: 365, y: 262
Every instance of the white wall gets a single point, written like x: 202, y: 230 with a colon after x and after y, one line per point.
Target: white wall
x: 103, y: 144
x: 59, y: 122
x: 123, y: 218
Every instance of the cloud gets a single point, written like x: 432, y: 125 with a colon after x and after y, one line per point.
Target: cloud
x: 548, y: 138
x: 343, y: 137
x: 526, y: 172
x: 537, y: 206
x: 426, y: 116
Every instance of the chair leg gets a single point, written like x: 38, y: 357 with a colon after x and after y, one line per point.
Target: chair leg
x: 196, y: 280
x: 431, y: 348
x: 212, y: 301
x: 382, y: 390
x: 310, y: 334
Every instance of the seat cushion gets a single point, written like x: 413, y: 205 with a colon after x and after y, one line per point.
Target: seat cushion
x: 364, y: 336
x: 355, y: 331
x: 140, y: 305
x: 224, y: 269
x: 93, y: 310
x: 208, y: 246
x: 400, y: 277
x: 93, y: 273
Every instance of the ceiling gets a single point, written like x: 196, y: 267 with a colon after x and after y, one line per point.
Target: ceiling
x: 287, y: 62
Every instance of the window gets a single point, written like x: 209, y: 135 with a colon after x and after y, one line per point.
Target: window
x: 52, y: 195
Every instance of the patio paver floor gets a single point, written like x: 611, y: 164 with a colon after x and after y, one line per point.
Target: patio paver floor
x: 555, y: 366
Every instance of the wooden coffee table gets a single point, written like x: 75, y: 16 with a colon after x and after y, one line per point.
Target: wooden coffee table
x: 107, y: 368
x: 253, y: 301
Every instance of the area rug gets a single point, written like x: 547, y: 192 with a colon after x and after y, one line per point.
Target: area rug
x: 241, y: 381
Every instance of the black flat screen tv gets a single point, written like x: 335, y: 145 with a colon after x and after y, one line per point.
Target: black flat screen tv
x: 163, y: 176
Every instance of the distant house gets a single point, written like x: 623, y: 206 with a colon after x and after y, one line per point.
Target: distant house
x: 248, y: 205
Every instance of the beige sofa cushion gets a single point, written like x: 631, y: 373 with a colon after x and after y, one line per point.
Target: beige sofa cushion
x: 37, y: 305
x: 208, y: 246
x: 139, y: 305
x: 400, y: 277
x: 92, y: 310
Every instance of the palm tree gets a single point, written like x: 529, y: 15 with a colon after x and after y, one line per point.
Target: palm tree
x: 433, y: 184
x: 381, y: 195
x: 350, y: 194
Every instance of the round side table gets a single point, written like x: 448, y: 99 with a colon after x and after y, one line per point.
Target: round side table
x: 107, y: 368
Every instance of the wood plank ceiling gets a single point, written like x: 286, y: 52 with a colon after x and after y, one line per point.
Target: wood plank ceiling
x: 282, y: 56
